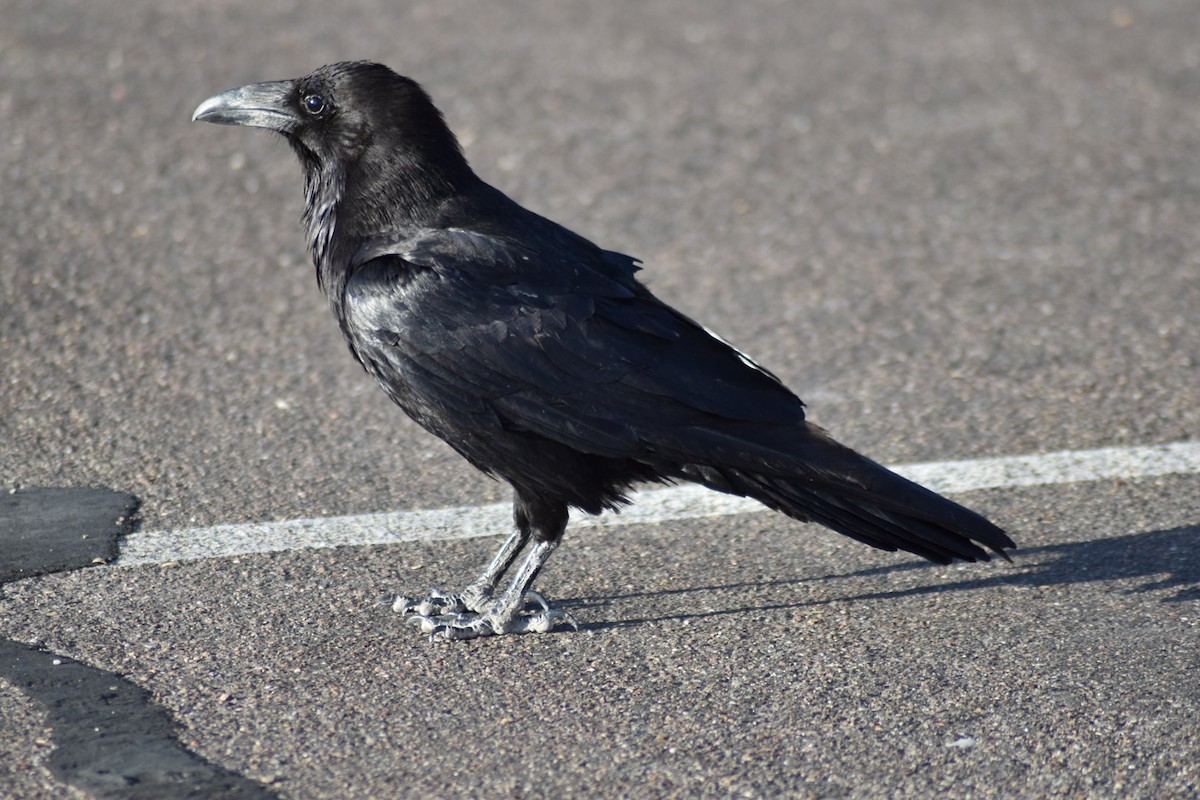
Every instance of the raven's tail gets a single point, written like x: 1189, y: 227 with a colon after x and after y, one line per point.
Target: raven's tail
x: 820, y: 480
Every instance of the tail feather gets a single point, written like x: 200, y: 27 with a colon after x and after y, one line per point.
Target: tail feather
x: 828, y: 483
x: 881, y: 527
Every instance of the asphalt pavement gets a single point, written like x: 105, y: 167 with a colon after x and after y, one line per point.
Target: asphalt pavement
x: 959, y: 230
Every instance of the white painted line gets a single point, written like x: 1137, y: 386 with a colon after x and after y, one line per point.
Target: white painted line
x: 651, y: 507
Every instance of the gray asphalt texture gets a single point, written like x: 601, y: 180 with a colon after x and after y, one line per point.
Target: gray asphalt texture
x: 957, y: 229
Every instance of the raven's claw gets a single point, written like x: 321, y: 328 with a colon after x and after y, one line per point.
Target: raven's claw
x: 436, y: 603
x: 460, y: 627
x: 442, y: 604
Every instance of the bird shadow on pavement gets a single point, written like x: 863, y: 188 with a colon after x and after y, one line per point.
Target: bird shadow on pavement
x: 1158, y: 560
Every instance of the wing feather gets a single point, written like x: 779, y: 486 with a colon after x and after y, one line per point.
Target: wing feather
x: 567, y: 353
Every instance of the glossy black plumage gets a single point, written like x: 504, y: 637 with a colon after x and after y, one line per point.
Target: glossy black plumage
x: 539, y: 356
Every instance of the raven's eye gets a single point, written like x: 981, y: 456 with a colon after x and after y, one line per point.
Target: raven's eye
x: 314, y: 104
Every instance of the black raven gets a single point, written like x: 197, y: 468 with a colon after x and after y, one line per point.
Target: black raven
x: 540, y: 357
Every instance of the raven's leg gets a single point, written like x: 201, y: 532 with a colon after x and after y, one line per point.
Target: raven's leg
x: 545, y: 521
x: 478, y: 594
x: 507, y: 612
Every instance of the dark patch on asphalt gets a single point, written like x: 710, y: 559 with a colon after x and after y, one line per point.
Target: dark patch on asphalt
x: 53, y: 530
x: 111, y: 740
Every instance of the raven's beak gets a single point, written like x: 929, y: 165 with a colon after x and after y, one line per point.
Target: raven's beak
x: 259, y: 105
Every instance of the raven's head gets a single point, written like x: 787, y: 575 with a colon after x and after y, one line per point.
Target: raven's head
x: 375, y: 150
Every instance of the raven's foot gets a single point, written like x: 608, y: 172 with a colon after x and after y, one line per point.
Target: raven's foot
x: 536, y: 617
x: 480, y: 610
x: 439, y: 603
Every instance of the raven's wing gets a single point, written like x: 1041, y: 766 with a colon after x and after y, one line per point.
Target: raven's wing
x: 556, y: 345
